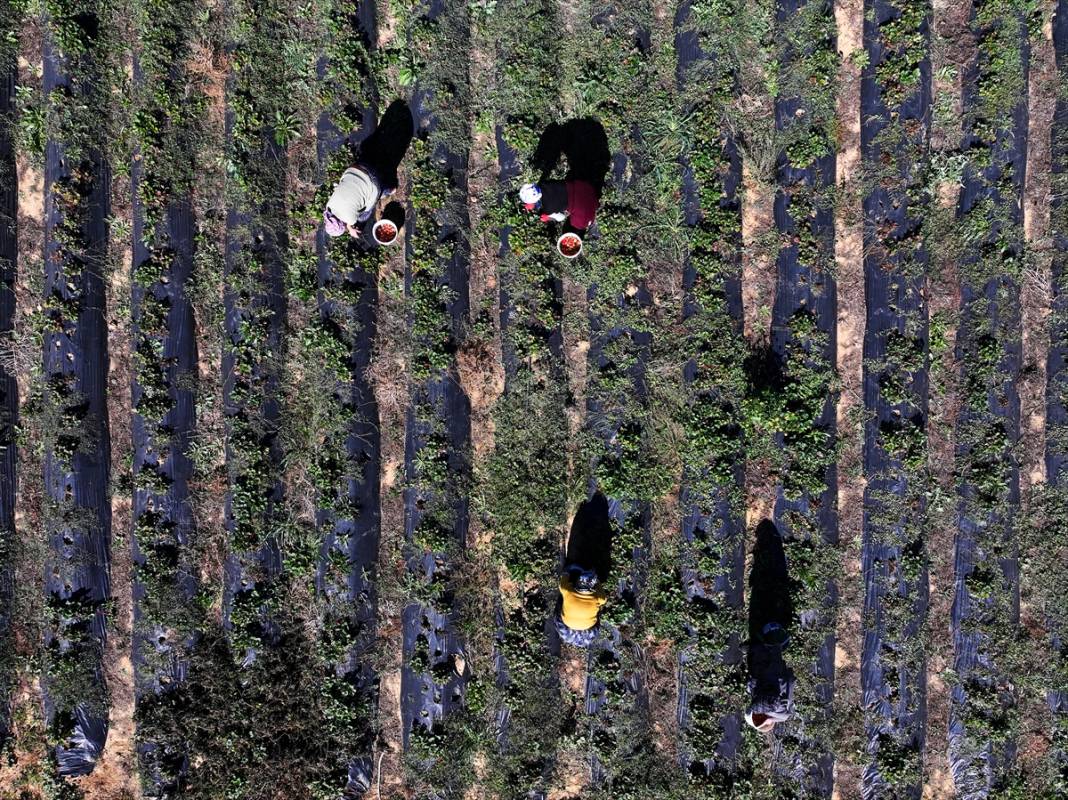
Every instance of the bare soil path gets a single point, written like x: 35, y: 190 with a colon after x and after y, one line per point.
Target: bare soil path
x: 849, y: 247
x: 1035, y: 289
x: 948, y: 53
x: 759, y: 242
x: 1036, y: 299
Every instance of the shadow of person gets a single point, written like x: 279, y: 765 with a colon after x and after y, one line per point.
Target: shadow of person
x: 584, y: 143
x: 384, y: 149
x: 590, y: 543
x: 769, y: 583
x: 770, y: 619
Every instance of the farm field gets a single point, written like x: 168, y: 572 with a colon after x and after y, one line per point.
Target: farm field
x: 285, y: 514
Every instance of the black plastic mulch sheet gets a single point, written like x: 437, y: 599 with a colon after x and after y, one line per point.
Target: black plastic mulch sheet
x: 435, y: 673
x: 8, y: 388
x: 893, y: 685
x: 1057, y: 364
x: 77, y: 566
x: 807, y: 290
x: 711, y: 523
x: 355, y: 532
x: 990, y: 317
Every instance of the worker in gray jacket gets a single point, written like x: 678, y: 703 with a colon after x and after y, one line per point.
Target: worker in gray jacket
x: 373, y: 174
x: 354, y: 200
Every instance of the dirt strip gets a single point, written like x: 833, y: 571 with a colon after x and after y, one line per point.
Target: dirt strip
x: 950, y: 26
x: 759, y: 241
x: 1035, y: 299
x: 849, y: 247
x: 1035, y: 289
x: 388, y: 375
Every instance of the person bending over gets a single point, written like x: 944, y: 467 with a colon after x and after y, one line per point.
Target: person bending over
x: 574, y: 201
x: 354, y: 200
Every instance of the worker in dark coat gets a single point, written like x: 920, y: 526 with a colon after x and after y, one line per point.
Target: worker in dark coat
x: 575, y: 201
x: 771, y: 681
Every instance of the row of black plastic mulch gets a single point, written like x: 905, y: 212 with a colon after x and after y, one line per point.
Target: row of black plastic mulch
x: 257, y: 238
x: 356, y: 531
x: 165, y: 575
x: 710, y: 524
x: 807, y: 290
x: 76, y: 572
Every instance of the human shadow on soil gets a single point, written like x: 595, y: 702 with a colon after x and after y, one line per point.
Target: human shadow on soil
x: 384, y: 149
x: 585, y: 145
x: 770, y: 619
x: 770, y: 598
x: 590, y: 543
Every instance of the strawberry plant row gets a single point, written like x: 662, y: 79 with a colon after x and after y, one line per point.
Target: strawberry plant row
x: 526, y: 477
x: 258, y: 129
x: 707, y: 568
x: 796, y: 395
x: 984, y: 714
x: 895, y: 113
x: 343, y: 459
x: 78, y: 49
x: 439, y: 700
x: 617, y: 48
x: 166, y: 615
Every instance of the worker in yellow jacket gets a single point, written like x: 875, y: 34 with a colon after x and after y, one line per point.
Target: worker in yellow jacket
x: 581, y: 598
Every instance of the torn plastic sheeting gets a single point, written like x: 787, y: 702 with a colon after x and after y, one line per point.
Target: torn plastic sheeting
x: 507, y: 159
x: 87, y: 743
x: 427, y: 697
x: 727, y: 531
x: 687, y: 44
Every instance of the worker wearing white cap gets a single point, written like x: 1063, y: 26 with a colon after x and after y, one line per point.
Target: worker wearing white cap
x: 771, y: 681
x: 575, y: 201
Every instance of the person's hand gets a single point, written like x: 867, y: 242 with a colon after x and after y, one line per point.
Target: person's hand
x: 354, y: 232
x: 528, y: 206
